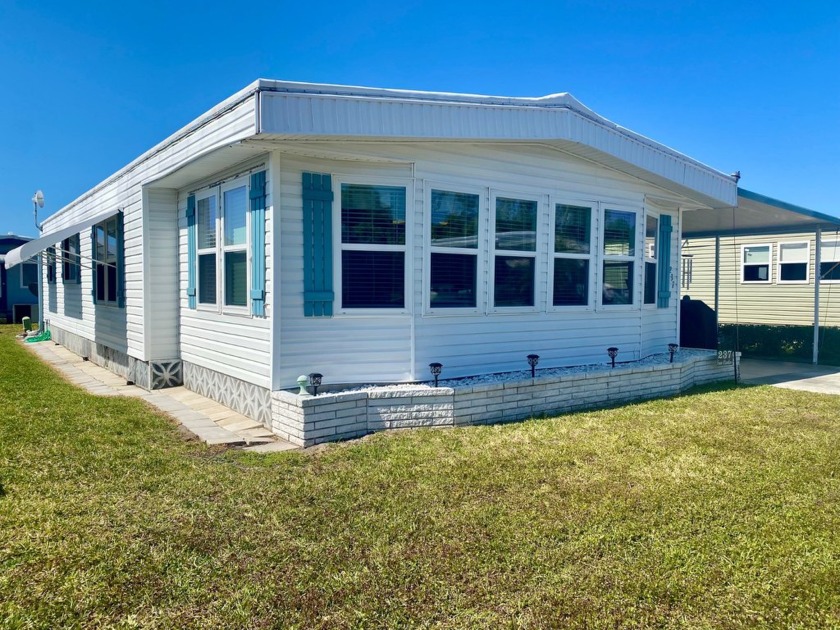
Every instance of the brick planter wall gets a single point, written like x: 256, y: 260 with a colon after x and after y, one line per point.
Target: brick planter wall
x: 309, y: 420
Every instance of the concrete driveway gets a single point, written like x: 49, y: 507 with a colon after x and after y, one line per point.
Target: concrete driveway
x: 811, y: 378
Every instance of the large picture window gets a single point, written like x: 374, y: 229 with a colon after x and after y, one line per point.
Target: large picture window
x: 106, y: 261
x: 515, y: 246
x: 454, y: 253
x: 572, y: 254
x: 619, y: 252
x: 222, y: 245
x: 373, y: 236
x: 794, y: 259
x: 755, y: 263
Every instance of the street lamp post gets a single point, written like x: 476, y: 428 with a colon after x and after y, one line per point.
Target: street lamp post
x: 38, y: 202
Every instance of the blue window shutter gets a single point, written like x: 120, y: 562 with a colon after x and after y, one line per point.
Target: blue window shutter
x: 93, y: 262
x: 257, y: 195
x: 318, y: 293
x: 664, y: 259
x: 120, y: 261
x: 191, y: 253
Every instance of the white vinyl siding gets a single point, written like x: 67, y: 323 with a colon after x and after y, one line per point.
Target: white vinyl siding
x: 126, y: 330
x: 375, y: 347
x: 221, y: 337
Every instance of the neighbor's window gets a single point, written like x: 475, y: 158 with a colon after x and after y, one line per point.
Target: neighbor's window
x: 830, y: 261
x: 794, y: 259
x: 515, y: 252
x: 619, y: 257
x: 651, y: 230
x: 71, y: 263
x: 372, y: 246
x: 454, y: 253
x: 105, y: 260
x: 755, y: 263
x: 572, y: 254
x: 28, y: 275
x: 222, y: 244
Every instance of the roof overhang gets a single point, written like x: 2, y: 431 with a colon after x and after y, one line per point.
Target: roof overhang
x: 35, y: 247
x: 311, y: 112
x: 755, y: 214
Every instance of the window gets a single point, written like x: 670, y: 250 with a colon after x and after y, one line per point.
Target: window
x: 830, y: 261
x: 107, y: 239
x: 515, y: 248
x: 50, y: 263
x: 794, y: 259
x: 651, y: 232
x: 71, y: 264
x: 28, y: 275
x: 572, y: 254
x: 755, y: 263
x: 373, y: 236
x: 221, y: 216
x: 454, y: 250
x: 619, y: 255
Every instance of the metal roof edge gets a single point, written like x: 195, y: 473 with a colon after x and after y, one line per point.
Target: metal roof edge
x: 770, y: 201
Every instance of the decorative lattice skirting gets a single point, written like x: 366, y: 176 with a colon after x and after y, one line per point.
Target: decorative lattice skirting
x: 246, y: 398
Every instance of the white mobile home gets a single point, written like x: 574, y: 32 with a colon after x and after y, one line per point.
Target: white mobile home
x: 364, y: 233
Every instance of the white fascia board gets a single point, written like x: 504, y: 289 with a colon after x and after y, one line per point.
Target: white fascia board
x: 311, y: 111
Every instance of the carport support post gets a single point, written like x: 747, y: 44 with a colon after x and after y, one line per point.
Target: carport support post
x: 717, y: 284
x: 817, y: 274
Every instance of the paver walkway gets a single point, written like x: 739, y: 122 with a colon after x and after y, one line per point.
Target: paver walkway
x: 208, y: 420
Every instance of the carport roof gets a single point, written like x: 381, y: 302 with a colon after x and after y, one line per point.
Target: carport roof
x: 755, y: 214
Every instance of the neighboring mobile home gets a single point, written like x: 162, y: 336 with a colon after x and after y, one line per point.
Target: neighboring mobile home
x: 766, y: 274
x: 19, y: 285
x: 364, y: 233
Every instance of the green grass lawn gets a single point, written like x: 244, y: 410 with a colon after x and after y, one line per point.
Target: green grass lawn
x: 715, y: 509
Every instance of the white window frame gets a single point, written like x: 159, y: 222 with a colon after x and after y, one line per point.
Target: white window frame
x: 836, y: 246
x: 221, y: 276
x: 538, y: 254
x: 339, y: 247
x: 207, y: 251
x: 592, y: 256
x: 646, y: 260
x: 780, y: 245
x: 220, y: 249
x: 769, y: 263
x: 636, y: 258
x: 479, y: 252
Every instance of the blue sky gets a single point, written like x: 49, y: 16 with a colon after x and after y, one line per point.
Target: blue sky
x: 749, y: 86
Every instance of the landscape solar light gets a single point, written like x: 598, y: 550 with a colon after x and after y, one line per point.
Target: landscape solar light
x: 315, y: 382
x: 672, y: 348
x: 435, y: 369
x: 533, y: 359
x: 613, y: 352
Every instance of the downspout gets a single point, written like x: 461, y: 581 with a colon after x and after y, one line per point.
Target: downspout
x: 817, y: 262
x: 717, y: 282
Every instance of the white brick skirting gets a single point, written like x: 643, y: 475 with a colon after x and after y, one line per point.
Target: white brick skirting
x: 308, y: 420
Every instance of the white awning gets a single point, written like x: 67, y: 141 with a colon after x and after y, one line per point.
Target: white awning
x: 30, y: 249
